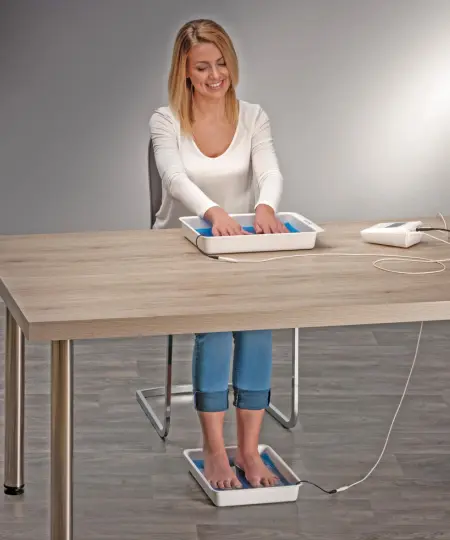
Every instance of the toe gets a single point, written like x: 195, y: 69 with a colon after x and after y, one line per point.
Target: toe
x: 220, y: 484
x: 227, y: 484
x: 254, y: 481
x: 235, y: 483
x: 271, y: 481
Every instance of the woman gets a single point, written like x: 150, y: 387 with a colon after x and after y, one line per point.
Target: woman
x: 208, y: 148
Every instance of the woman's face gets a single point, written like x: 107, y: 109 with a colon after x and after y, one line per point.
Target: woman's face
x: 207, y: 70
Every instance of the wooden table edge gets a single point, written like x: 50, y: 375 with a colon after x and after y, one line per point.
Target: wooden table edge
x: 303, y: 317
x: 14, y: 309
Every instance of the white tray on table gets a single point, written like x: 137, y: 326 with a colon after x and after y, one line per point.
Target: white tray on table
x: 302, y: 235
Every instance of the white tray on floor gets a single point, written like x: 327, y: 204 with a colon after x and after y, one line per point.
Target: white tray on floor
x: 303, y: 235
x: 285, y: 492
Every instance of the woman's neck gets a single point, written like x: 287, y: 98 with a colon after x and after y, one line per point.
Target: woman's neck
x: 208, y: 109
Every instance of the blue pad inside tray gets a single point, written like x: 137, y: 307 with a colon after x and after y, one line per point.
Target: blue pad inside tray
x: 240, y: 474
x: 207, y: 231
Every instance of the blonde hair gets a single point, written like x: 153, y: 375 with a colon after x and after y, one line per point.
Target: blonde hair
x: 180, y: 87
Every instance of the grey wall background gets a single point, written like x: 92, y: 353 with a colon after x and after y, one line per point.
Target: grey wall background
x: 358, y: 92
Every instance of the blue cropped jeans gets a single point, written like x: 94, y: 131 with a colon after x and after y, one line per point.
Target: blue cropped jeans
x: 252, y: 370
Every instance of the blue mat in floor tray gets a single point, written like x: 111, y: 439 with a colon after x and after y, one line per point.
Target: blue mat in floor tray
x: 207, y: 231
x: 240, y: 474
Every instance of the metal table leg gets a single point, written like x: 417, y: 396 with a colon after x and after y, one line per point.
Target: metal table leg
x: 162, y: 427
x: 14, y: 407
x: 61, y: 440
x: 291, y: 421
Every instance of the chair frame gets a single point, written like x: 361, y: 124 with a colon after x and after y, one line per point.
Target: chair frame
x: 162, y: 427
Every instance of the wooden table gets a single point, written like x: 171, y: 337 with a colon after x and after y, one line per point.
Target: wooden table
x: 64, y: 287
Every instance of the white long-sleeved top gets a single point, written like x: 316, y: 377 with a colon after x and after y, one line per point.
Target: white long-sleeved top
x: 245, y: 175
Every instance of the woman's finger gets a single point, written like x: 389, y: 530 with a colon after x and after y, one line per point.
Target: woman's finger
x: 280, y: 227
x: 283, y: 227
x: 243, y: 231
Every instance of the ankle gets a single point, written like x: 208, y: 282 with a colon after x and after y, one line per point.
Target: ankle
x: 214, y: 453
x: 214, y: 449
x: 247, y: 452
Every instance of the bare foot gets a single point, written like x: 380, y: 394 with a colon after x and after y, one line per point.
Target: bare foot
x: 256, y: 473
x: 218, y: 471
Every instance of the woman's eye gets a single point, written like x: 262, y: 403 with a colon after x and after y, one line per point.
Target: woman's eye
x: 220, y: 64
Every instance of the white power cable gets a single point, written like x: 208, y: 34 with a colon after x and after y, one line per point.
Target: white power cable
x: 387, y: 257
x: 338, y: 254
x: 344, y: 488
x: 384, y: 257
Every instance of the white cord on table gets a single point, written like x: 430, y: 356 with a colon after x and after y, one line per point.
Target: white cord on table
x: 384, y: 257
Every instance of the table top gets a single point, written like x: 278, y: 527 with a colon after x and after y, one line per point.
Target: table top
x: 90, y: 285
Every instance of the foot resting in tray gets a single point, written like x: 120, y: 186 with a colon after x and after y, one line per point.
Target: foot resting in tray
x: 219, y: 472
x: 256, y: 473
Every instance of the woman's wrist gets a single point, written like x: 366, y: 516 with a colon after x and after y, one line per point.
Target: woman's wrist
x: 264, y: 208
x: 213, y: 213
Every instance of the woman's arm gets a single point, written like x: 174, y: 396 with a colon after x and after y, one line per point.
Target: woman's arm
x: 265, y: 163
x: 170, y: 166
x: 268, y: 177
x: 177, y: 182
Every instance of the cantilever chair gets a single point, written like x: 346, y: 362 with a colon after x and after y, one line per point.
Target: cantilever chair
x: 168, y: 390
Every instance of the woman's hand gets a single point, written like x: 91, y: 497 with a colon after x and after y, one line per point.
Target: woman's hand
x: 222, y: 223
x: 266, y: 221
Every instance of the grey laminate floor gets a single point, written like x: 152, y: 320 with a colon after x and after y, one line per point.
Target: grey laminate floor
x: 129, y: 485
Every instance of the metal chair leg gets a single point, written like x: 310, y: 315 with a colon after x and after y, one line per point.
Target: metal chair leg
x: 162, y: 428
x: 291, y: 421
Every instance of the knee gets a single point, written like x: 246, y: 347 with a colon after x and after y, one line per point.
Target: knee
x: 211, y: 363
x: 254, y: 342
x: 213, y: 340
x: 254, y: 337
x: 213, y: 348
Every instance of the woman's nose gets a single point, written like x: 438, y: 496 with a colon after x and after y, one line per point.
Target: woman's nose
x: 214, y: 73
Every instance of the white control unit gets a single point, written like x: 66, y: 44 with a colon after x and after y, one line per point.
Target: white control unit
x: 397, y: 233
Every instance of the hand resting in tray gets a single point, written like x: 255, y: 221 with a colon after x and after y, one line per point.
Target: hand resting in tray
x: 265, y: 222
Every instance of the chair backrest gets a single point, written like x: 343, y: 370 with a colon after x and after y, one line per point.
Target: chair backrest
x: 155, y: 184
